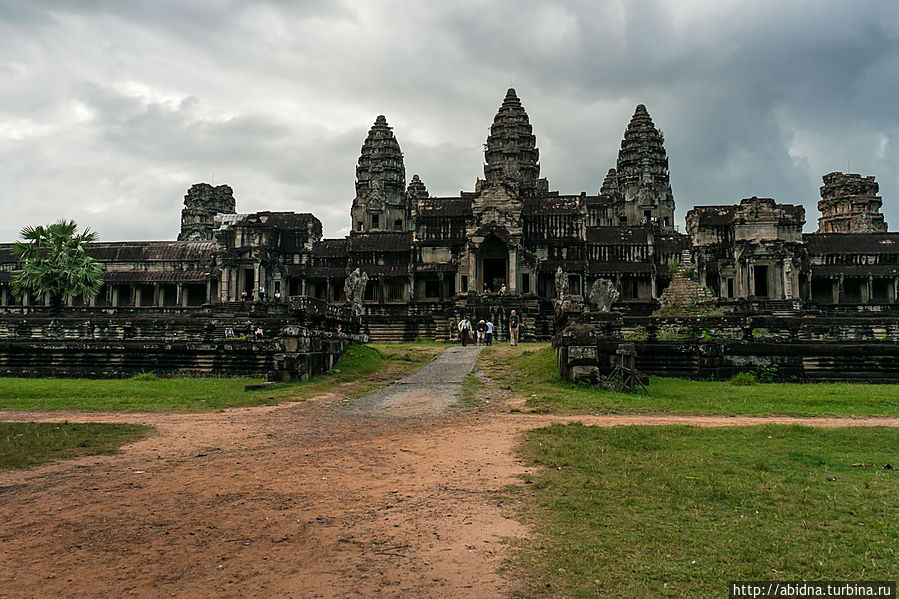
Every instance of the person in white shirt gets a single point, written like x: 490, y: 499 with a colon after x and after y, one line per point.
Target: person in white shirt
x: 489, y: 339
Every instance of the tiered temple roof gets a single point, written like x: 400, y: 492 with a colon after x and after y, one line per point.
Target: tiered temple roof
x: 642, y: 161
x: 380, y: 167
x: 417, y: 189
x: 511, y: 151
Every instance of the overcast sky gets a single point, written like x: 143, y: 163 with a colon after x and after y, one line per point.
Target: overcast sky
x: 110, y: 110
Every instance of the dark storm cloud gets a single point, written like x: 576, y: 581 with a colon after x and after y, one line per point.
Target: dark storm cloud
x: 110, y: 110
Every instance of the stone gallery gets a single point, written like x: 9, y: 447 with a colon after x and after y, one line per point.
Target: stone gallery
x: 424, y: 261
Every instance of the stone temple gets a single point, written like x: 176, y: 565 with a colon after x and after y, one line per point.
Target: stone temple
x: 431, y: 260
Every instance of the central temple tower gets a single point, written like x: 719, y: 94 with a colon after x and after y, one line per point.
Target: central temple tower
x: 510, y: 154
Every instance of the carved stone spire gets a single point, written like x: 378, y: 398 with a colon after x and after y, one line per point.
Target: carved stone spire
x: 643, y: 171
x: 511, y: 153
x: 380, y: 170
x: 381, y: 202
x: 417, y: 189
x: 609, y: 187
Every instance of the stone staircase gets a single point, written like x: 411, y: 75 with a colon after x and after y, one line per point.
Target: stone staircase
x: 683, y: 293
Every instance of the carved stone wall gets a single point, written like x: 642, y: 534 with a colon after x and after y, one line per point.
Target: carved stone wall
x: 781, y: 348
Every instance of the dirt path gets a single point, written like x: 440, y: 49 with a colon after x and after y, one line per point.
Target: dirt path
x: 387, y: 496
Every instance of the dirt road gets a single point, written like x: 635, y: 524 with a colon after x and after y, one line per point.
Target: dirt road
x: 391, y: 495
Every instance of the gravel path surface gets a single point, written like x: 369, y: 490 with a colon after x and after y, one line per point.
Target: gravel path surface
x: 428, y: 392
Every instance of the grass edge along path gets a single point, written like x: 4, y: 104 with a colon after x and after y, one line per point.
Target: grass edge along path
x: 25, y: 444
x: 530, y: 371
x: 679, y: 511
x: 361, y: 369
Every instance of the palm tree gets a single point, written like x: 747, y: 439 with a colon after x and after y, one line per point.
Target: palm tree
x: 54, y: 260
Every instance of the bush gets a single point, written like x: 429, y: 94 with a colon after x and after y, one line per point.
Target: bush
x: 743, y: 379
x: 145, y: 376
x: 766, y: 373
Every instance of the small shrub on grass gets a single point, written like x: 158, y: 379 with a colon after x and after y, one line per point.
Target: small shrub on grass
x: 743, y: 379
x: 144, y: 376
x: 766, y: 373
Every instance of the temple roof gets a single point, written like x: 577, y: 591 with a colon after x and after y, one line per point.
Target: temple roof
x: 852, y: 243
x: 617, y: 235
x: 380, y: 168
x: 273, y: 220
x: 444, y: 207
x: 138, y: 251
x: 609, y: 187
x: 417, y: 189
x: 511, y: 153
x: 551, y: 205
x: 642, y: 158
x: 329, y: 248
x: 384, y: 242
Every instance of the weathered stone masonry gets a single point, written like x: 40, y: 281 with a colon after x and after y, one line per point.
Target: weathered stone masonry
x: 430, y: 260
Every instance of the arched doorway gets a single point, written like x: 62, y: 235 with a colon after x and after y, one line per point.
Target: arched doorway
x: 494, y: 264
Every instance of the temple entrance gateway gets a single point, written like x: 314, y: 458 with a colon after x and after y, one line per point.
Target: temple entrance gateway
x: 494, y: 267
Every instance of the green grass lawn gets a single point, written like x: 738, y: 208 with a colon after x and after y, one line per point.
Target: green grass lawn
x: 24, y: 444
x: 361, y: 369
x: 680, y: 511
x: 531, y: 371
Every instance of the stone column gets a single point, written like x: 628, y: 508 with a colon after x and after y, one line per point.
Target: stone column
x: 260, y: 280
x: 513, y: 270
x: 894, y: 290
x: 4, y: 296
x: 136, y: 294
x: 869, y: 290
x: 840, y: 290
x: 750, y: 275
x: 328, y: 290
x: 158, y: 295
x: 410, y: 296
x: 473, y: 273
x: 441, y: 290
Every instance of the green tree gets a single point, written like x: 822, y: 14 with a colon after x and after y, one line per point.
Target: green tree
x: 53, y: 260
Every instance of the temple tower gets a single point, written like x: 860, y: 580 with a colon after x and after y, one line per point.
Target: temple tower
x: 510, y: 154
x: 381, y: 203
x: 417, y: 189
x: 642, y: 173
x: 849, y: 204
x: 201, y: 204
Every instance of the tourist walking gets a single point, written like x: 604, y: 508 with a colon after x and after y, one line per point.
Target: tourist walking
x: 482, y: 331
x: 464, y: 331
x: 489, y: 335
x: 514, y: 323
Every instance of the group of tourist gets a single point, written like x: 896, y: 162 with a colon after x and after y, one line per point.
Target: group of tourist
x: 244, y: 296
x: 482, y: 333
